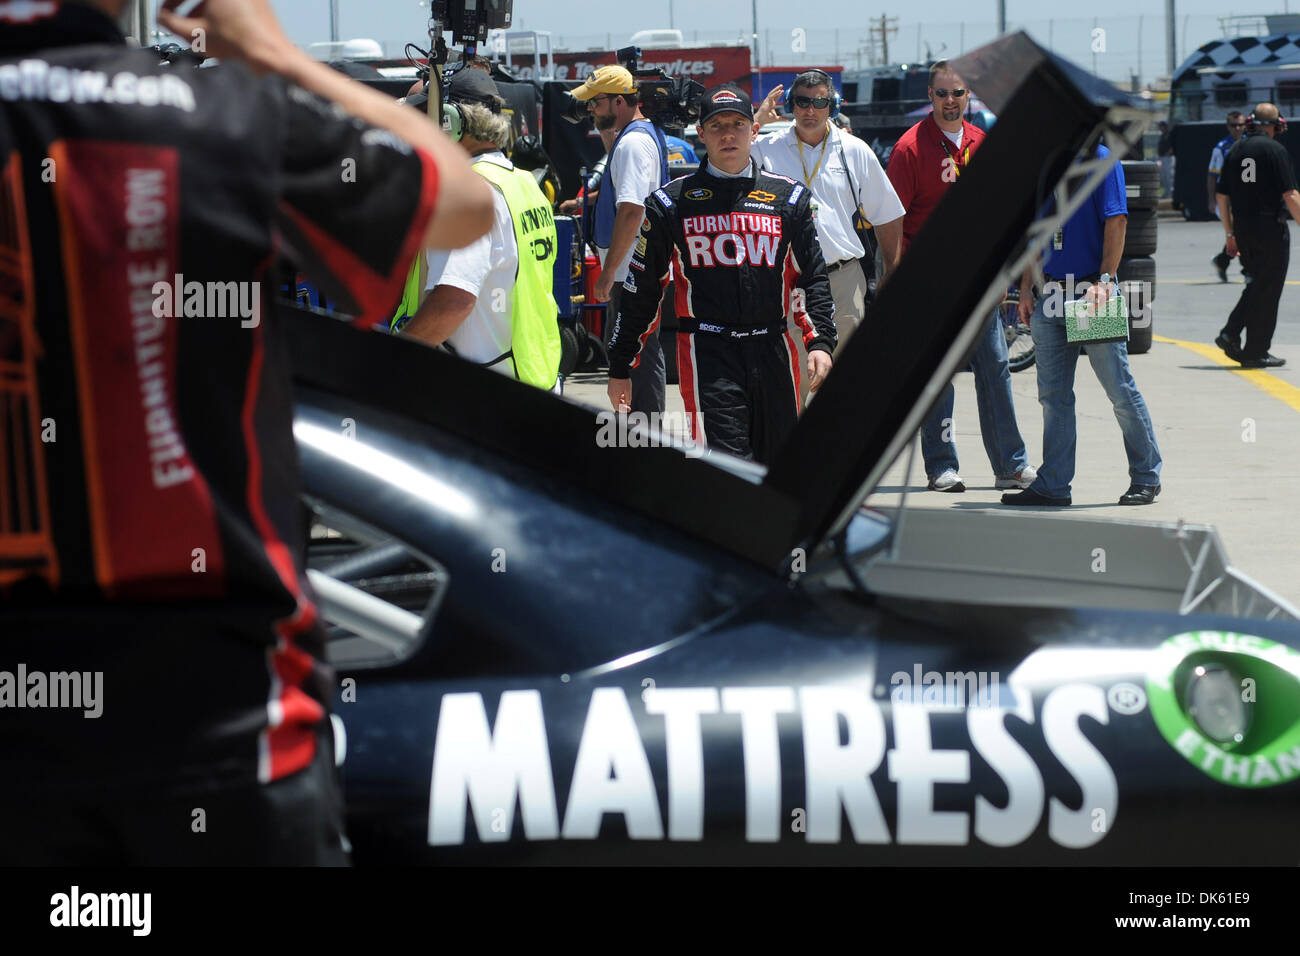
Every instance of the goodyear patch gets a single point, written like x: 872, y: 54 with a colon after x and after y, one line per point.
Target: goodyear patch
x: 640, y: 246
x: 762, y: 196
x: 698, y: 194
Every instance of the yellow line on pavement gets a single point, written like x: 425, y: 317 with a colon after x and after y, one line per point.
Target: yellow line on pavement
x: 1262, y: 380
x: 1214, y: 282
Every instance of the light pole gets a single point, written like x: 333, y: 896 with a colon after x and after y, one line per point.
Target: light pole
x: 334, y: 21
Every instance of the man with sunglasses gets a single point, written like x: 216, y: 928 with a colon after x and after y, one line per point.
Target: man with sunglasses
x: 843, y: 175
x: 637, y: 166
x: 926, y: 161
x: 1236, y: 128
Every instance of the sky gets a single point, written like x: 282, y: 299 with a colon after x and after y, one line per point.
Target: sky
x: 1132, y: 42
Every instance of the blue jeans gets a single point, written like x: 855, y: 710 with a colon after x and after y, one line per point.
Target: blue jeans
x: 1055, y: 360
x: 1001, y: 434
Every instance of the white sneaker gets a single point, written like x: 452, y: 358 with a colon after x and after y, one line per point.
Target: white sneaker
x: 948, y: 481
x: 1023, y: 480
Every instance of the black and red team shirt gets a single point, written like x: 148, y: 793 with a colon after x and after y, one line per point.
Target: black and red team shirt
x: 150, y: 523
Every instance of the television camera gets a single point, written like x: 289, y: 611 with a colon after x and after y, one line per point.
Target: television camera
x: 672, y: 102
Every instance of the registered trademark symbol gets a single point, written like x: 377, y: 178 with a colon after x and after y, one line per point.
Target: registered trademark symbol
x: 1125, y: 698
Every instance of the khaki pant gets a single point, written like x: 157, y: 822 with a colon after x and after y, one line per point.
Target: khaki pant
x: 848, y: 289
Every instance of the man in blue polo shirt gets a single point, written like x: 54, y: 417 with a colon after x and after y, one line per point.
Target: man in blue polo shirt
x: 1081, y: 262
x: 1236, y: 129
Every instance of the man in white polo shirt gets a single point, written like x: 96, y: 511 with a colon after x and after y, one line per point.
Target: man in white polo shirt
x: 842, y: 173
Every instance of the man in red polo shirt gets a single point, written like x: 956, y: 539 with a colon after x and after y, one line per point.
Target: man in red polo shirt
x: 927, y: 159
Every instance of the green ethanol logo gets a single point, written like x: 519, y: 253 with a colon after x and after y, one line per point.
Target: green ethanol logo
x: 1230, y: 704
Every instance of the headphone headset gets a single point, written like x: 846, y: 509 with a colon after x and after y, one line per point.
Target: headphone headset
x: 813, y: 78
x: 1253, y: 121
x: 453, y: 118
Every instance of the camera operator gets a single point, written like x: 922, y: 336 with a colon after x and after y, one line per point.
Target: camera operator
x: 491, y: 301
x: 638, y: 165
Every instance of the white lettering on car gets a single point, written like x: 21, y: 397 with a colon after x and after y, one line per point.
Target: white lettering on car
x: 843, y: 737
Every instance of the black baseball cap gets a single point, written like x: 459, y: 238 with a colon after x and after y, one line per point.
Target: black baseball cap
x: 727, y: 98
x: 470, y: 85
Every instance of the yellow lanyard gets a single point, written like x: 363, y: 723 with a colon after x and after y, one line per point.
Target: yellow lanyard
x: 807, y: 179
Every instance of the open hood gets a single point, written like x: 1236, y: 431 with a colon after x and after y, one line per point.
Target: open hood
x: 975, y: 244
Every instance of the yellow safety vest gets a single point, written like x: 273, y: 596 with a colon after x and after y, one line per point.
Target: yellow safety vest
x: 534, y: 325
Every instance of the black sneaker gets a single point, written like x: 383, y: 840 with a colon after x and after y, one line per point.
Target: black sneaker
x: 1230, y: 348
x: 1264, y: 361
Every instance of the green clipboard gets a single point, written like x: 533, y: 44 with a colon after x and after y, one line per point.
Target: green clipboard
x: 1084, y: 326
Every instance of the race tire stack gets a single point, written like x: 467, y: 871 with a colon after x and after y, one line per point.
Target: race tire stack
x: 1137, y: 270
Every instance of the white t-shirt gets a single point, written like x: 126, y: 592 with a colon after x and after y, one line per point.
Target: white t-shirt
x: 486, y: 268
x: 955, y: 138
x: 831, y: 193
x: 634, y: 168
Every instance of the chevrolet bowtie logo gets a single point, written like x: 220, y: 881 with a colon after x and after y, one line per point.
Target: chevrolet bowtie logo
x: 761, y: 196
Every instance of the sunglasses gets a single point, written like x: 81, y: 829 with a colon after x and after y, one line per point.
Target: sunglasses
x: 816, y: 102
x: 1236, y: 125
x: 944, y: 94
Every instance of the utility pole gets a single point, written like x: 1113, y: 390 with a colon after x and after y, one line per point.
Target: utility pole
x: 334, y: 21
x: 1002, y: 17
x: 885, y: 28
x: 1170, y: 64
x: 754, y: 8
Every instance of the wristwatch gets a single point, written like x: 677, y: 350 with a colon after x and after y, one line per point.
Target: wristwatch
x: 1105, y: 278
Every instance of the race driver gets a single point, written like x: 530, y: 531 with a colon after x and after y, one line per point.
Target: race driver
x: 744, y: 247
x: 165, y: 697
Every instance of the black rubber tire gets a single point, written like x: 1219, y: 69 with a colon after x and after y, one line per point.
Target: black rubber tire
x: 1137, y: 280
x: 569, y: 350
x: 1139, y: 338
x: 1142, y: 182
x: 1140, y: 238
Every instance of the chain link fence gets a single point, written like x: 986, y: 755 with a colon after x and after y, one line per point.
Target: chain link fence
x: 1122, y: 50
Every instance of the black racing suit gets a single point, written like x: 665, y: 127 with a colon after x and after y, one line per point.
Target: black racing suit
x: 151, y: 529
x: 742, y: 253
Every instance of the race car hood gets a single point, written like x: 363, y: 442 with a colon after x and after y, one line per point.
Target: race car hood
x: 926, y: 317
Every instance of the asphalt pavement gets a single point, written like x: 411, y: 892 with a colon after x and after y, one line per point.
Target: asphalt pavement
x: 1230, y: 437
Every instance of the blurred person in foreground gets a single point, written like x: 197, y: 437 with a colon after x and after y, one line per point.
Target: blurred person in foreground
x: 158, y: 561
